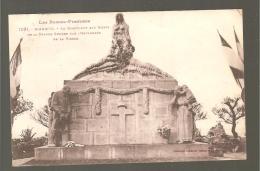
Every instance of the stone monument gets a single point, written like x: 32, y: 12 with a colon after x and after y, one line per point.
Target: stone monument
x: 122, y: 108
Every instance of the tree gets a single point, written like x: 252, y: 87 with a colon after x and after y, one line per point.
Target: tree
x: 19, y: 105
x: 27, y: 135
x: 41, y: 116
x: 230, y: 111
x: 198, y: 112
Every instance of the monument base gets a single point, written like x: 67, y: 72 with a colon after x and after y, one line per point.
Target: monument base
x: 129, y: 151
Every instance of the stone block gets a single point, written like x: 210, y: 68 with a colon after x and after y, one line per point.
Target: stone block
x: 167, y: 84
x: 128, y: 98
x: 144, y: 125
x: 157, y: 139
x: 146, y: 151
x: 158, y: 98
x: 139, y: 98
x: 141, y: 114
x: 65, y: 137
x: 121, y: 84
x: 74, y: 99
x: 130, y: 124
x: 184, y: 150
x: 48, y: 153
x: 82, y: 138
x: 104, y: 98
x: 75, y: 153
x: 97, y: 152
x: 104, y: 112
x: 114, y: 127
x: 78, y: 125
x: 113, y: 98
x: 144, y: 138
x: 116, y: 139
x: 142, y: 83
x: 76, y: 85
x: 101, y: 83
x: 161, y: 111
x: 97, y: 125
x: 101, y: 138
x: 85, y: 98
x: 122, y: 152
x: 130, y: 139
x: 82, y: 111
x: 199, y: 150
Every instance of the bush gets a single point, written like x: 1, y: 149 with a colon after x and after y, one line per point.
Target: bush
x: 24, y: 149
x: 227, y: 144
x: 27, y: 135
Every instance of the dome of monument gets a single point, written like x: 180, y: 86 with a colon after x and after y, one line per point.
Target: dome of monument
x: 135, y: 70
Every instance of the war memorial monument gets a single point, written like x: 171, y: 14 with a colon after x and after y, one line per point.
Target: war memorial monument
x: 121, y: 108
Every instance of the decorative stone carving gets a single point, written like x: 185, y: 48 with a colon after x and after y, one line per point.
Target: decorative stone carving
x: 146, y: 100
x: 121, y: 132
x: 120, y: 54
x: 99, y: 90
x: 97, y: 101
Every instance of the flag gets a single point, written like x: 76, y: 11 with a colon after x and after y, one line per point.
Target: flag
x: 240, y: 53
x: 235, y: 63
x: 240, y: 50
x: 15, y: 71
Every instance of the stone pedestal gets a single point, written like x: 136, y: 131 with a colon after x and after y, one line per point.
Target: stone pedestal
x: 115, y: 152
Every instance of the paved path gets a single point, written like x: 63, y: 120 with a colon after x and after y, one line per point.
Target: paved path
x: 232, y: 156
x: 32, y: 162
x: 21, y: 162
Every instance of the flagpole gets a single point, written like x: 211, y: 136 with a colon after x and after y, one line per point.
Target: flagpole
x: 240, y: 85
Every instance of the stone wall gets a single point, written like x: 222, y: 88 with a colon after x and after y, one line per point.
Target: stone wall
x: 122, y: 119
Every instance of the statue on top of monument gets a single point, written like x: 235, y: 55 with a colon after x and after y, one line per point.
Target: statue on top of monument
x: 61, y: 109
x: 120, y: 54
x: 183, y: 100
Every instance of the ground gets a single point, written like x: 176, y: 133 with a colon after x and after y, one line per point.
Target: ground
x: 32, y: 162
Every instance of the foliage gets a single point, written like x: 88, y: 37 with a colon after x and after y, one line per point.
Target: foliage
x: 217, y: 130
x: 198, y: 112
x: 164, y: 131
x: 22, y: 149
x: 27, y: 135
x: 230, y: 111
x: 227, y: 143
x: 198, y: 137
x: 41, y: 116
x: 20, y: 105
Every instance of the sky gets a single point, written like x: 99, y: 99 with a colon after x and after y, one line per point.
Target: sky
x: 184, y: 44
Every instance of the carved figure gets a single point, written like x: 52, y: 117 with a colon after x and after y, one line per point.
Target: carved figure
x: 120, y: 54
x: 60, y: 106
x: 50, y: 119
x: 183, y: 100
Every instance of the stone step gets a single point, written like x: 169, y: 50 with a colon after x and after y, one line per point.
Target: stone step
x: 124, y: 151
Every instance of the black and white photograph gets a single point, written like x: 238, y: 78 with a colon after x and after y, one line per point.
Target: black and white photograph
x: 127, y: 87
